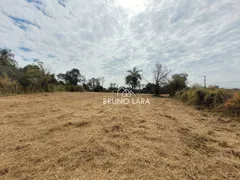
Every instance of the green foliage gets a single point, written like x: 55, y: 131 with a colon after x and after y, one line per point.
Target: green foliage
x: 200, y: 96
x: 7, y: 58
x: 72, y: 77
x: 178, y: 82
x: 31, y: 78
x: 113, y: 87
x: 62, y: 77
x: 7, y: 85
x: 8, y: 66
x: 149, y: 88
x: 209, y: 100
x: 74, y: 88
x: 206, y: 97
x: 34, y: 78
x: 133, y: 78
x: 73, y: 81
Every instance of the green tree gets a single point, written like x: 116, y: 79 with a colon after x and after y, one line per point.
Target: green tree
x: 7, y: 58
x: 112, y: 87
x: 61, y: 77
x: 133, y: 77
x: 45, y: 77
x: 72, y: 77
x: 31, y: 77
x: 149, y: 88
x: 178, y: 82
x: 8, y: 66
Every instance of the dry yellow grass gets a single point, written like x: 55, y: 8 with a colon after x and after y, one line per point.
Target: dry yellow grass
x: 74, y: 136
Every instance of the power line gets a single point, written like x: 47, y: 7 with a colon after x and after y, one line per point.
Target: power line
x: 145, y: 80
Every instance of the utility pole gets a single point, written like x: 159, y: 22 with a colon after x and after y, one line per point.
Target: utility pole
x: 205, y: 81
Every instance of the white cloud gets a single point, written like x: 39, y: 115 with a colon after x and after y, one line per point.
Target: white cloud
x: 105, y: 37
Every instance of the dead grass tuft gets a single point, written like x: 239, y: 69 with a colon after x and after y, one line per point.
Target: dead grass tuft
x: 77, y: 124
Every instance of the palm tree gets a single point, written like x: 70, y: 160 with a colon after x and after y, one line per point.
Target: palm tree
x: 133, y: 77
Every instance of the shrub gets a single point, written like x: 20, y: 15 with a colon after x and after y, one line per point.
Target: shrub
x: 200, y: 95
x: 209, y: 100
x: 184, y: 97
x: 233, y: 104
x: 220, y: 98
x: 214, y: 98
x: 74, y: 88
x: 7, y: 85
x: 178, y: 94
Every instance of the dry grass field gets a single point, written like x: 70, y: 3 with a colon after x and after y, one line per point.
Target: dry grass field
x: 75, y: 136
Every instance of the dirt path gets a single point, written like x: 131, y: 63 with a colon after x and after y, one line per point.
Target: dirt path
x: 75, y: 136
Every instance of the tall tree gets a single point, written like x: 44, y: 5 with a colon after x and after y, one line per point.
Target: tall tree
x: 45, y: 77
x: 94, y: 84
x: 149, y: 88
x: 61, y: 77
x: 72, y: 77
x: 7, y: 58
x: 178, y: 82
x: 102, y: 81
x: 31, y: 77
x: 133, y: 77
x: 112, y: 87
x: 160, y: 75
x: 8, y: 65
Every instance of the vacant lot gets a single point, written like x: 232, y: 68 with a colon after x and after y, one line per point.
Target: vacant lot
x: 75, y: 136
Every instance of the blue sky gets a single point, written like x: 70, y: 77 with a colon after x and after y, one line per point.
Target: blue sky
x: 108, y: 37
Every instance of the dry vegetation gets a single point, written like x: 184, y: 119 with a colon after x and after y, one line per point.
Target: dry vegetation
x: 74, y: 136
x: 216, y: 99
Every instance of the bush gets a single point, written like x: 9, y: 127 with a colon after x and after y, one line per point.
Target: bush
x: 53, y: 88
x: 220, y: 98
x: 233, y: 104
x: 209, y: 100
x: 73, y: 88
x: 184, y: 97
x: 200, y: 96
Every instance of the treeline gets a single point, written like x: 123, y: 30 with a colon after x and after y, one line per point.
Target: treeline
x: 35, y: 78
x: 162, y: 84
x: 175, y: 83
